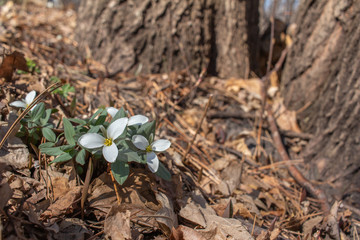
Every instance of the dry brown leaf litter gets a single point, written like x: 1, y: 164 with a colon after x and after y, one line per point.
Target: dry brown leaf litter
x: 221, y: 190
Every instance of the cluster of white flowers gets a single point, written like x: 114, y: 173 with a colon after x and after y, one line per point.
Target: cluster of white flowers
x: 110, y: 135
x: 106, y: 140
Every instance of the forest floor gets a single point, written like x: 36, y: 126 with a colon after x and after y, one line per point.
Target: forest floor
x: 224, y: 184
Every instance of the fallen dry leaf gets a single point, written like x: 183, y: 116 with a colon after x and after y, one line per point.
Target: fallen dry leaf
x: 310, y: 225
x: 185, y: 233
x: 15, y: 60
x: 225, y: 228
x: 17, y: 155
x: 117, y: 224
x: 5, y: 193
x: 252, y: 86
x: 169, y: 219
x: 63, y: 205
x: 196, y: 209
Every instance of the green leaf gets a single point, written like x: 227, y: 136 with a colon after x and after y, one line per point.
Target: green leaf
x: 163, y: 172
x: 128, y: 155
x: 69, y: 131
x: 79, y: 169
x: 96, y: 114
x: 46, y: 145
x: 94, y: 129
x: 80, y: 157
x: 64, y: 157
x: 120, y: 114
x: 52, y: 151
x: 46, y: 118
x: 78, y: 121
x: 120, y: 171
x: 67, y: 148
x: 38, y: 112
x: 48, y: 134
x: 54, y: 79
x: 147, y: 129
x: 101, y: 119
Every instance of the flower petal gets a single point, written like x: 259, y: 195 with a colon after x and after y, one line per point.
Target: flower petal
x: 91, y: 140
x: 137, y: 120
x: 152, y: 161
x: 140, y: 142
x: 20, y: 104
x: 110, y: 153
x: 117, y: 128
x: 112, y: 111
x: 160, y: 145
x: 30, y: 97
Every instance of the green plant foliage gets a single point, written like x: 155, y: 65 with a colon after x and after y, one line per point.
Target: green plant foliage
x: 69, y: 131
x: 48, y: 134
x: 64, y: 90
x: 163, y: 172
x: 80, y: 157
x: 65, y: 145
x: 120, y: 171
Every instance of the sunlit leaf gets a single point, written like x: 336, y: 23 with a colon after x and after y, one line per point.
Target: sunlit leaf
x: 52, y: 151
x: 69, y: 131
x: 130, y: 156
x: 48, y: 134
x: 64, y: 157
x: 147, y: 129
x: 38, y: 112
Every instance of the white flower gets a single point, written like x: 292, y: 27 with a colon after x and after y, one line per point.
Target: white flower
x: 134, y: 120
x: 157, y: 146
x: 109, y: 148
x: 25, y: 102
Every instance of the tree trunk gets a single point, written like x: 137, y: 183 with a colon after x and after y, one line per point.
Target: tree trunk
x: 164, y: 35
x: 321, y: 81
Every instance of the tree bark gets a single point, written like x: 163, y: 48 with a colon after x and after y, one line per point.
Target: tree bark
x: 321, y: 81
x: 165, y: 35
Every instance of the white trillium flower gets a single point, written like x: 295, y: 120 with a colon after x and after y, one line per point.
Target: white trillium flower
x: 109, y: 148
x: 25, y: 102
x: 157, y: 146
x: 134, y: 120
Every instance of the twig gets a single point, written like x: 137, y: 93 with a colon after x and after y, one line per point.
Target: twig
x: 96, y: 235
x: 51, y: 88
x: 198, y: 129
x: 294, y: 172
x: 115, y: 186
x: 86, y: 186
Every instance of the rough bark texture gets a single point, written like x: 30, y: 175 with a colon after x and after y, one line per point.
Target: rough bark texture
x: 167, y: 35
x: 321, y: 80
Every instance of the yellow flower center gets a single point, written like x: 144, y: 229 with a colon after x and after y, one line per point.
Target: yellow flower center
x: 148, y: 149
x: 108, y: 142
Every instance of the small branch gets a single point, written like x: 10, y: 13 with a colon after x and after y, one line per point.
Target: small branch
x: 294, y: 172
x: 115, y: 186
x: 86, y: 186
x: 198, y: 129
